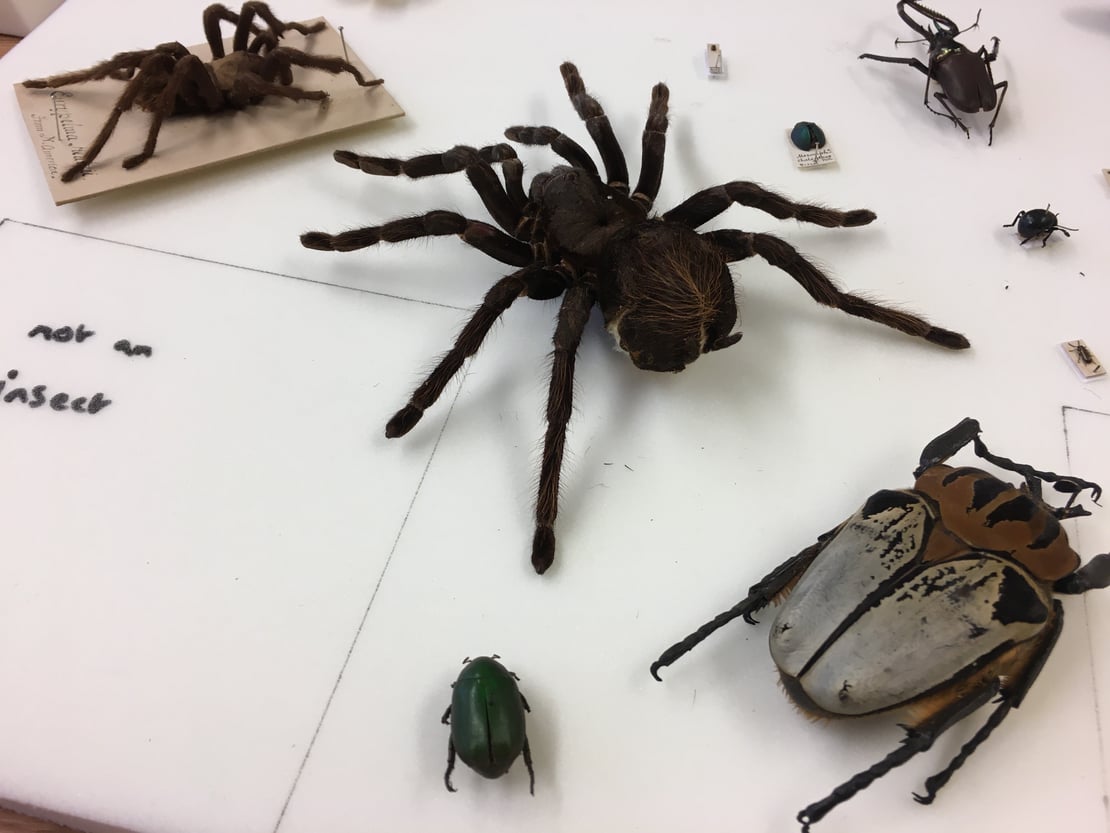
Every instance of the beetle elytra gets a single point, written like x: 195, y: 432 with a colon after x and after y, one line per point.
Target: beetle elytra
x: 486, y: 716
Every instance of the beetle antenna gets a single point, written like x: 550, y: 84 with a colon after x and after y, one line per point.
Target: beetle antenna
x: 974, y: 25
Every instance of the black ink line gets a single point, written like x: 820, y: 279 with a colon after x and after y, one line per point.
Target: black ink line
x: 199, y: 259
x: 366, y: 613
x: 1087, y: 617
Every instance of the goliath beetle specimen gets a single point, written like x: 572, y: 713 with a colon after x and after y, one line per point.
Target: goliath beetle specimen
x: 932, y: 601
x: 486, y: 717
x: 168, y: 80
x: 664, y: 290
x: 964, y: 77
x: 1038, y: 222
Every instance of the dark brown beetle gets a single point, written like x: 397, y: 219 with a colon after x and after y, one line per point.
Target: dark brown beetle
x: 964, y: 77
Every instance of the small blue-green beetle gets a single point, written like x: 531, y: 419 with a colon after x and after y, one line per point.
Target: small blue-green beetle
x: 806, y: 136
x: 486, y: 717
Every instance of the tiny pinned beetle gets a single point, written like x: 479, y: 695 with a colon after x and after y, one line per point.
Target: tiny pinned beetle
x: 1037, y: 222
x: 487, y: 729
x: 806, y: 135
x: 932, y: 601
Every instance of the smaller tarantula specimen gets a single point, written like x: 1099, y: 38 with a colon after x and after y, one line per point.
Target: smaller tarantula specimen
x: 168, y: 80
x: 665, y: 291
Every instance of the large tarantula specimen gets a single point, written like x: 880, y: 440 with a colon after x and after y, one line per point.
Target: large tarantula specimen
x: 168, y: 80
x: 665, y: 291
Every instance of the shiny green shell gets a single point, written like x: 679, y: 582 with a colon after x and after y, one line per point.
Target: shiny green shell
x: 806, y: 136
x: 487, y: 717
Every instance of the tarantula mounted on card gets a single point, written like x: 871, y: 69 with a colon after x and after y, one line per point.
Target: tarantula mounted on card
x: 168, y: 80
x: 664, y: 290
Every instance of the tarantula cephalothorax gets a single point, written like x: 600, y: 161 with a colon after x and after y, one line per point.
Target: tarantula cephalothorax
x: 665, y: 291
x: 168, y: 80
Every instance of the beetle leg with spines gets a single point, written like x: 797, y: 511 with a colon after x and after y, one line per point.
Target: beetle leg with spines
x: 918, y: 739
x: 759, y: 596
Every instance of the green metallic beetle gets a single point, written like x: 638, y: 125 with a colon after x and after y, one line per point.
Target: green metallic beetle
x: 807, y: 136
x: 487, y: 732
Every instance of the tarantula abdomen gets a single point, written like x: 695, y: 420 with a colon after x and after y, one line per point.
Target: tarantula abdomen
x: 671, y: 298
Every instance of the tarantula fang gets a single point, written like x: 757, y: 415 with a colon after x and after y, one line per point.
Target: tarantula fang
x: 168, y: 80
x: 665, y: 291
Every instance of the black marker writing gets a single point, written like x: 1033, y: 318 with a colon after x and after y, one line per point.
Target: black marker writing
x: 62, y: 333
x: 36, y: 398
x: 124, y: 346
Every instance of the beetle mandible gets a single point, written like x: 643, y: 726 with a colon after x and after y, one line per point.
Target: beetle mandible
x: 931, y: 601
x: 486, y: 717
x: 1038, y: 223
x: 964, y: 77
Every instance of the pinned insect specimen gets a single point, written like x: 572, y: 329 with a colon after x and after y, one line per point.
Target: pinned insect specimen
x: 806, y: 135
x: 1085, y: 362
x: 168, y: 80
x: 931, y: 602
x: 964, y: 77
x: 665, y: 291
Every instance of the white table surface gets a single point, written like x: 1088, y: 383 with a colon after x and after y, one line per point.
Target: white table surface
x: 230, y: 604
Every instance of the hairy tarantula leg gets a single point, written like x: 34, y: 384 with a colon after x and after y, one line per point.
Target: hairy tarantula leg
x: 705, y: 205
x: 499, y: 298
x: 481, y: 236
x: 283, y: 56
x: 597, y: 123
x: 460, y: 158
x: 737, y: 245
x: 124, y: 103
x: 213, y: 16
x: 121, y: 67
x: 573, y: 315
x: 559, y: 142
x: 654, y: 147
x: 190, y: 68
x: 511, y: 168
x: 244, y: 29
